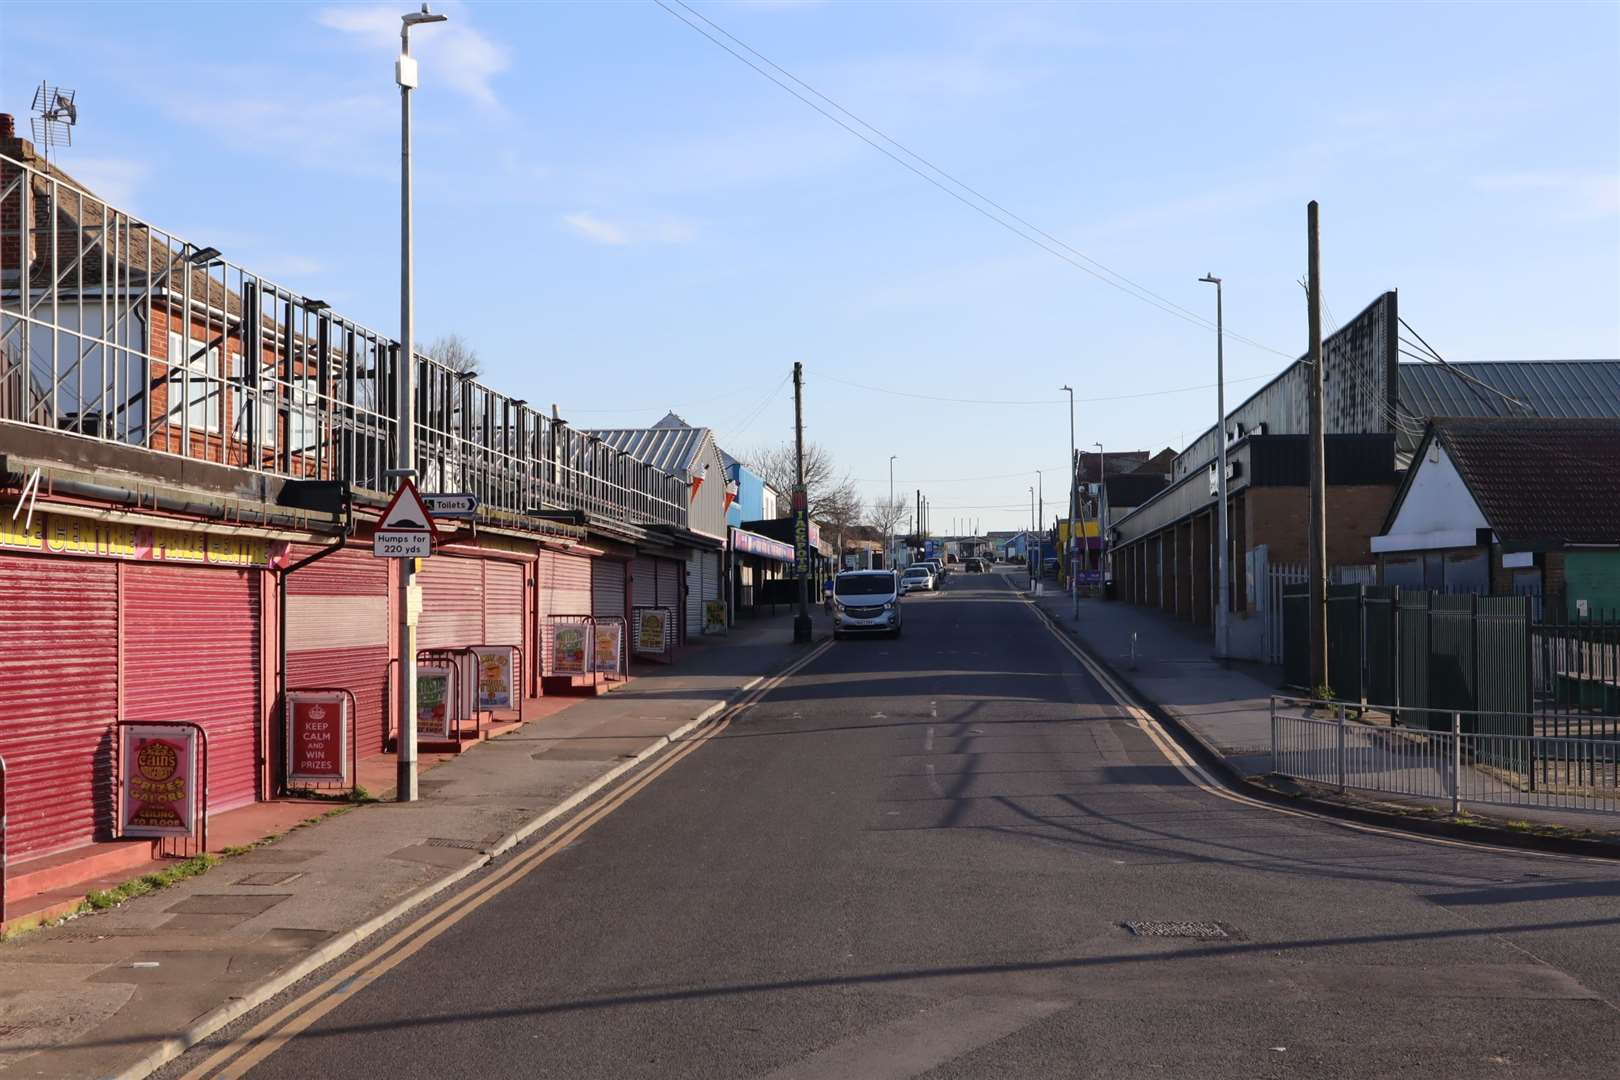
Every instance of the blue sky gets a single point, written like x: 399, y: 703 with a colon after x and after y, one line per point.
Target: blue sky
x: 620, y: 216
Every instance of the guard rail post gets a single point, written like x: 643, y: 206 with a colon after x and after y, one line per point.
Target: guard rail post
x: 1341, y: 745
x: 1456, y: 763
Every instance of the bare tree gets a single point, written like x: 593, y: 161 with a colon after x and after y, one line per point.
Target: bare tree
x: 884, y: 514
x: 827, y: 492
x: 455, y: 353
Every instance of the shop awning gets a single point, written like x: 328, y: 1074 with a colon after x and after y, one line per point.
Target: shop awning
x: 748, y: 543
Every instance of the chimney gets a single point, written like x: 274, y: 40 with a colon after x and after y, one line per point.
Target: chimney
x: 8, y: 127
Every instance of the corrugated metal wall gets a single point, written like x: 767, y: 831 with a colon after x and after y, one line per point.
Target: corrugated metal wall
x: 337, y: 632
x: 452, y: 602
x: 191, y: 652
x: 564, y: 589
x: 503, y: 603
x: 644, y: 581
x: 607, y: 587
x: 58, y: 699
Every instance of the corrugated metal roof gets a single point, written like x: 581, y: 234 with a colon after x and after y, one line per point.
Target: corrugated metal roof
x: 1562, y: 389
x: 670, y: 449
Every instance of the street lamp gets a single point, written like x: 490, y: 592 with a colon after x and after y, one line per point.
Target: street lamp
x: 1102, y: 535
x: 405, y: 74
x: 1074, y: 498
x: 889, y: 513
x: 1222, y: 623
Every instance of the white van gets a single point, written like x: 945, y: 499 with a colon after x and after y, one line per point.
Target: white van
x: 867, y: 602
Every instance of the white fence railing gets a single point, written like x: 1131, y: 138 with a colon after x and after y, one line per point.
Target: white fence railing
x: 1321, y: 743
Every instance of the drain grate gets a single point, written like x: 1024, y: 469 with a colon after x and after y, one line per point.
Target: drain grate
x: 445, y: 841
x: 1198, y: 931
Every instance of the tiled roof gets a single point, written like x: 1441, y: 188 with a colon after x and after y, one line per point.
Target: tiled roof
x: 1540, y: 480
x: 1563, y: 389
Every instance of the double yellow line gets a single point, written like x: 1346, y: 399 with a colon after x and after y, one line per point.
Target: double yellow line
x: 1200, y: 777
x: 246, y: 1050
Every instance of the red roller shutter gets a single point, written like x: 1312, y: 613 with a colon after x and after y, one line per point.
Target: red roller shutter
x: 565, y: 589
x: 452, y: 603
x: 607, y: 588
x: 337, y: 632
x: 644, y: 582
x: 58, y: 699
x: 503, y: 603
x: 191, y: 652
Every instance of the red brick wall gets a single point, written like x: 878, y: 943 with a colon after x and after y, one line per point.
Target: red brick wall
x: 1279, y: 517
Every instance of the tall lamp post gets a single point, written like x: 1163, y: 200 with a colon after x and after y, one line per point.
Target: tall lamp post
x: 1222, y: 622
x: 1102, y: 535
x: 1029, y: 540
x: 888, y: 554
x: 405, y: 75
x: 1074, y: 498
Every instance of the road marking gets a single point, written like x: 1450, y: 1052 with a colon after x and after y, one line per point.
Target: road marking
x: 933, y: 781
x: 928, y: 742
x: 933, y: 709
x: 1200, y: 778
x: 252, y: 1046
x: 917, y: 1044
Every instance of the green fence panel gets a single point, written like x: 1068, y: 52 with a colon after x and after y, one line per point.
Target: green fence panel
x: 1379, y: 648
x: 1345, y: 642
x: 1296, y: 601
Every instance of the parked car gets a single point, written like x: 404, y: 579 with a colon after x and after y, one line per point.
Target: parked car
x: 918, y: 577
x: 866, y: 601
x: 937, y: 568
x: 975, y: 566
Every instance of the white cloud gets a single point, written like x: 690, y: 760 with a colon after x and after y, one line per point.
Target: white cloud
x: 620, y: 233
x: 113, y: 178
x: 1580, y: 194
x: 594, y: 228
x: 453, y: 51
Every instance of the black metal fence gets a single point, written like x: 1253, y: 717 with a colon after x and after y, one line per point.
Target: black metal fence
x: 1414, y: 650
x: 1577, y: 674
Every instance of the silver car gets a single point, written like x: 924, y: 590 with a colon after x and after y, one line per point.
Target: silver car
x: 866, y: 602
x: 917, y: 578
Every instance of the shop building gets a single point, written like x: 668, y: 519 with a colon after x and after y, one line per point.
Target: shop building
x: 192, y: 459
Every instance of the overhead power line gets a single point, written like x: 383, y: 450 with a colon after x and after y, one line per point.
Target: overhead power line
x: 984, y: 206
x: 1032, y: 401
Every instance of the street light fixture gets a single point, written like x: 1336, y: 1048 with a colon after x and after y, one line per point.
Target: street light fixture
x: 1072, y: 554
x: 1102, y: 533
x: 1222, y: 622
x: 405, y: 74
x: 888, y: 554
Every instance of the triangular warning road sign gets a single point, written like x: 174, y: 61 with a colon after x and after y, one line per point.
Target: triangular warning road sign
x: 406, y: 512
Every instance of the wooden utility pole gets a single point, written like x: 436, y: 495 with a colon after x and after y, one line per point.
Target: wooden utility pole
x: 1318, y: 538
x: 802, y: 629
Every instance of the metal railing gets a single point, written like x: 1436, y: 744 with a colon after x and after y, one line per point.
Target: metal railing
x: 1323, y: 742
x: 116, y: 330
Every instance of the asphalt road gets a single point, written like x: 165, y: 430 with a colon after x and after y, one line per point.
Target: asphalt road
x: 916, y: 859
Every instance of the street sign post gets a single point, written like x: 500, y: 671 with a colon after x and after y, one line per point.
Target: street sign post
x: 405, y: 530
x: 453, y: 505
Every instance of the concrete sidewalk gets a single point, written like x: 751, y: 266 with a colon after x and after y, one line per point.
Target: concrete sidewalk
x: 1227, y: 707
x: 108, y: 994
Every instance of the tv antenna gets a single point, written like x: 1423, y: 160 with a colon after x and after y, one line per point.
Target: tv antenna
x: 56, y: 114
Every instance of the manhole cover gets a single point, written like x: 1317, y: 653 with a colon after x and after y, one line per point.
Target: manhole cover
x: 1198, y: 931
x: 445, y: 841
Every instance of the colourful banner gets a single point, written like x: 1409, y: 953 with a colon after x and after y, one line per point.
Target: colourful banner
x: 432, y: 703
x: 157, y: 780
x: 714, y: 616
x: 568, y: 649
x: 494, y: 676
x: 63, y: 534
x: 317, y: 738
x: 651, y: 624
x: 608, y: 640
